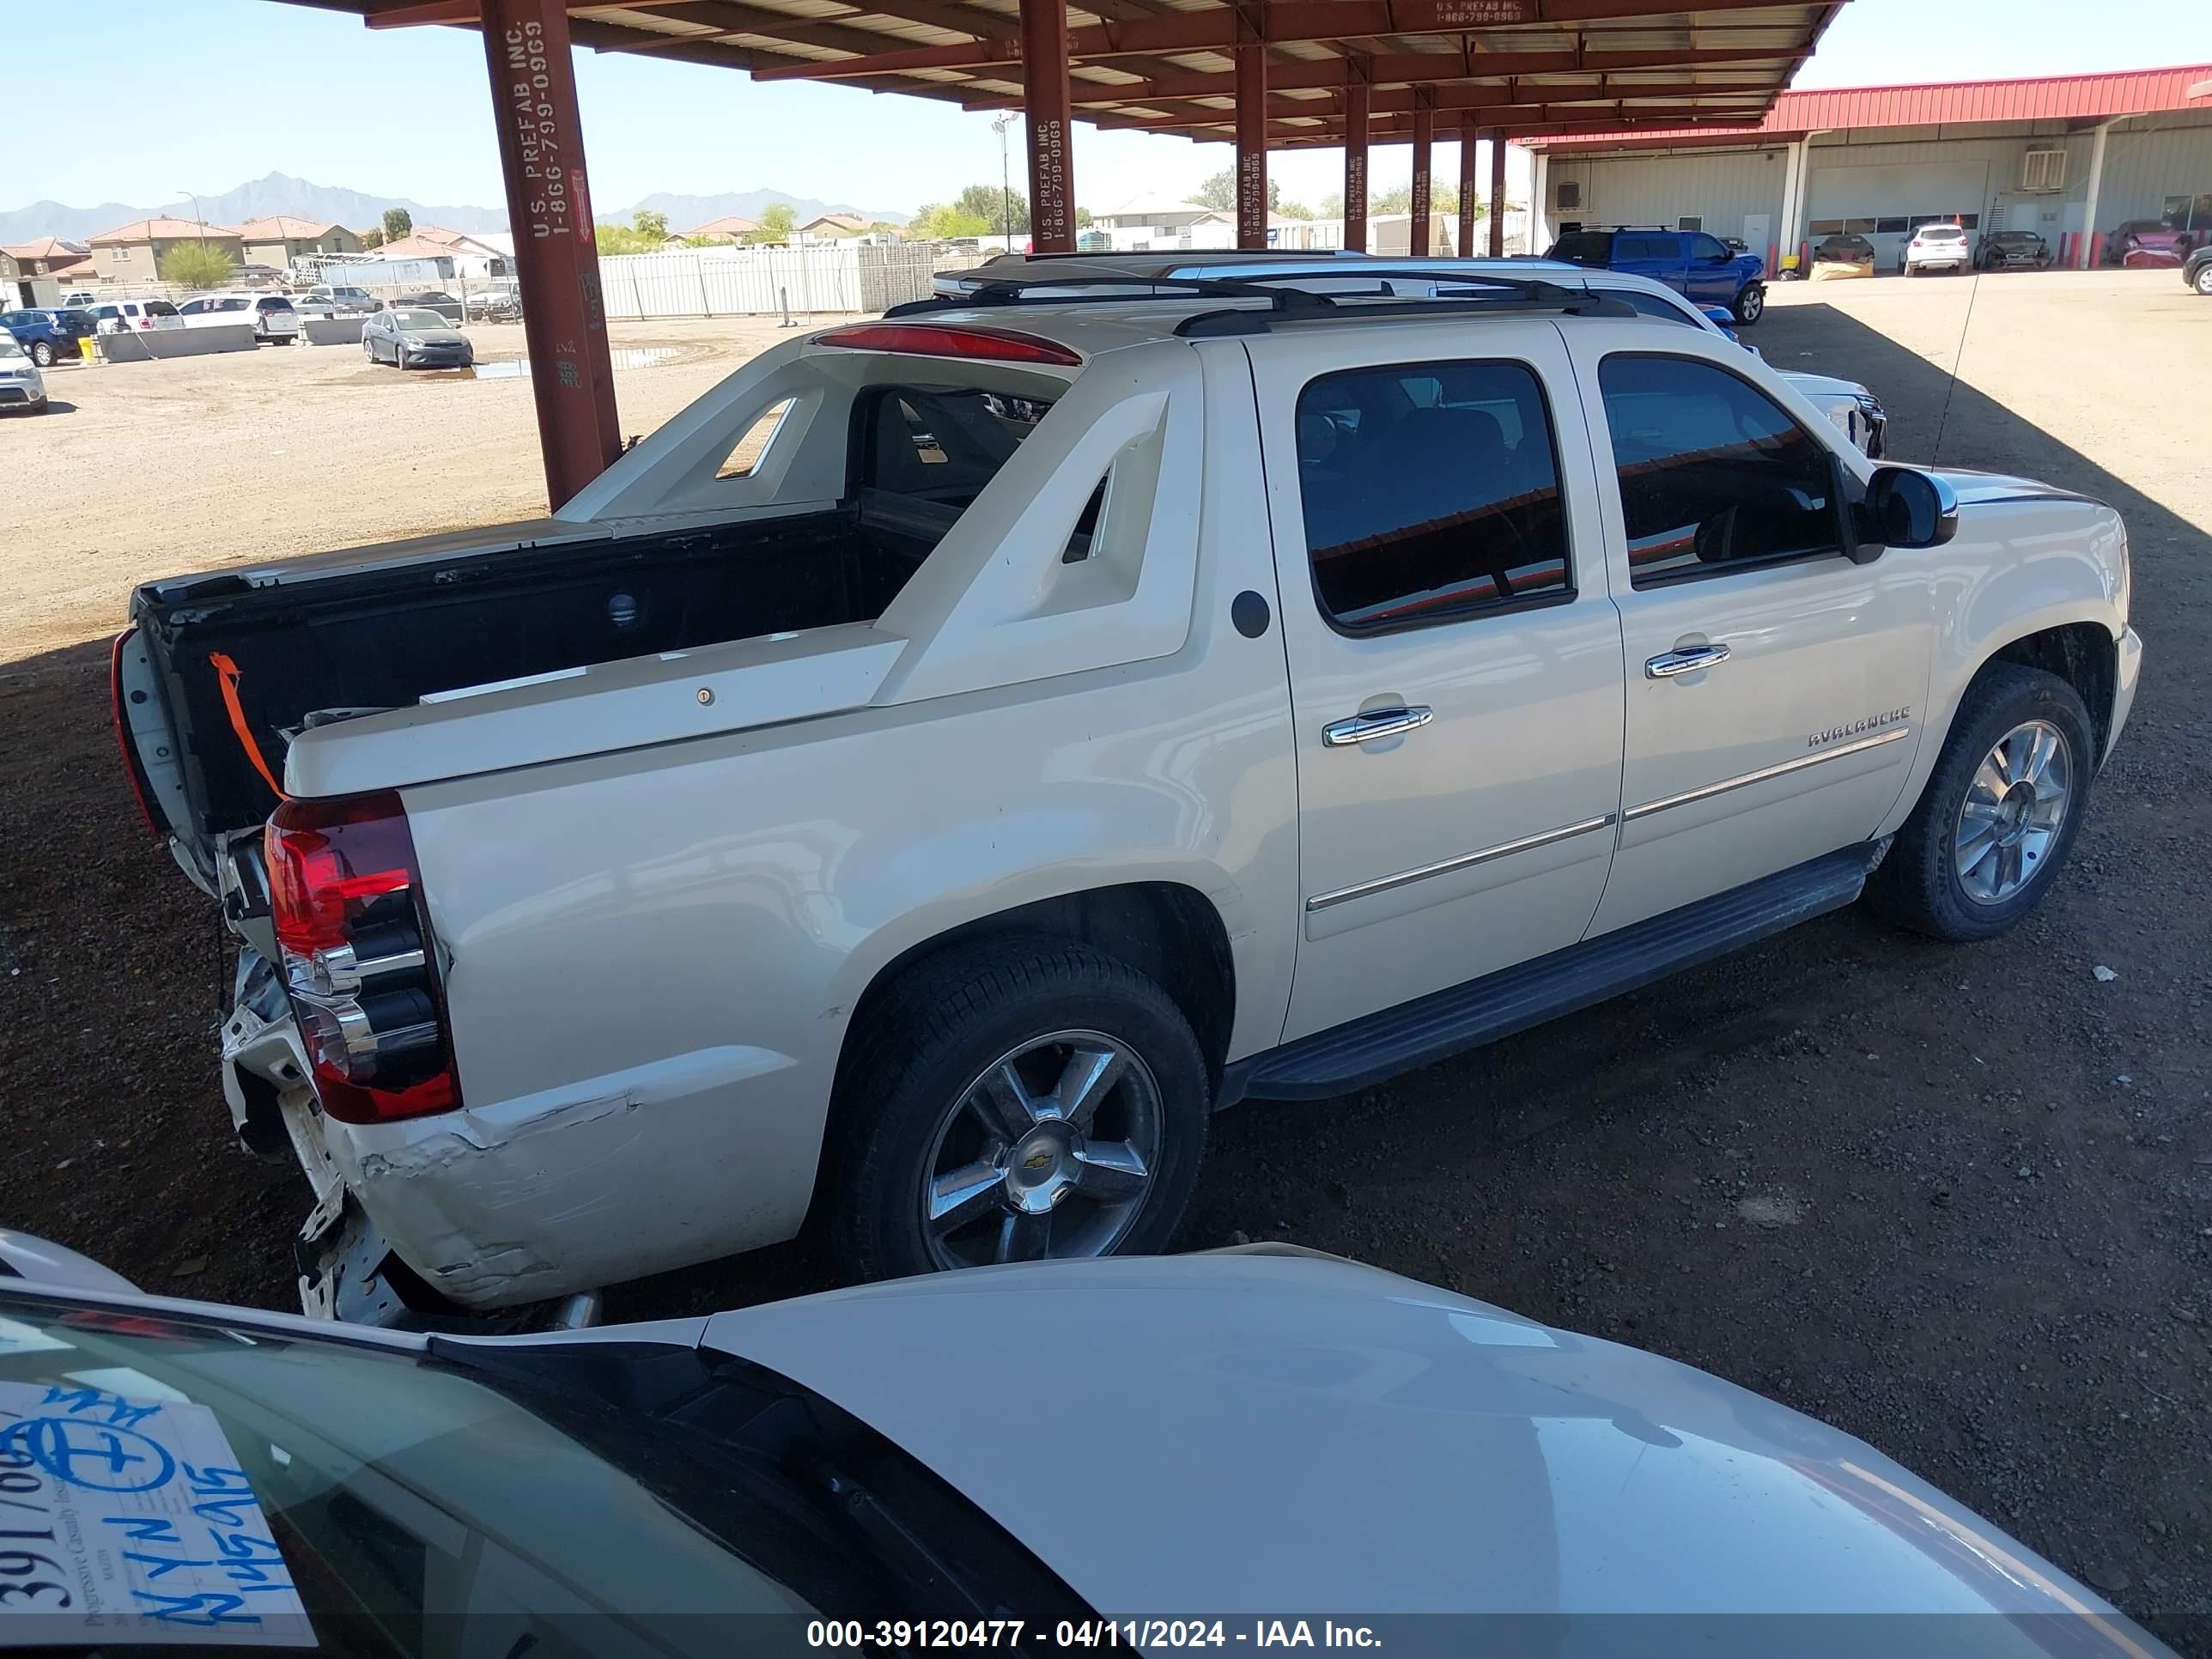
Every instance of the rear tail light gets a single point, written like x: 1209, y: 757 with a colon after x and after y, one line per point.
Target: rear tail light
x: 938, y: 340
x: 133, y: 767
x: 358, y: 959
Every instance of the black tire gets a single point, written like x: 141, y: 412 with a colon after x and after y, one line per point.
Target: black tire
x: 399, y: 358
x: 938, y: 1031
x: 2202, y: 283
x: 1750, y: 304
x: 1917, y: 885
x: 42, y: 353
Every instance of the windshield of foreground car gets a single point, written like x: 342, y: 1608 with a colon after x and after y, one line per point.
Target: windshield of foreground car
x: 386, y: 1493
x: 419, y: 320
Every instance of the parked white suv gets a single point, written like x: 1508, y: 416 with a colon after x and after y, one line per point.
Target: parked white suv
x: 1937, y: 248
x: 132, y: 316
x: 272, y: 315
x: 937, y: 768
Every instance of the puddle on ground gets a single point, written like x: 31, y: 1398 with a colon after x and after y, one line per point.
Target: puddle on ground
x: 518, y: 368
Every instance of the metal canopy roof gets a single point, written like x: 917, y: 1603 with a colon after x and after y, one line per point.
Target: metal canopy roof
x: 1527, y: 68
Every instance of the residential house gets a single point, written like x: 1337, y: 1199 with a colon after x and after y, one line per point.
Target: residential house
x: 830, y: 228
x: 283, y: 242
x: 459, y: 253
x: 70, y: 263
x: 131, y: 255
x: 729, y: 229
x: 1147, y: 224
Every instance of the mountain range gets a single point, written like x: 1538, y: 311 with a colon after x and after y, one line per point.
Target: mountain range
x: 326, y: 204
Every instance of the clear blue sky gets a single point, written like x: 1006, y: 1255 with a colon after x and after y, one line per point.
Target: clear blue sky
x: 185, y: 96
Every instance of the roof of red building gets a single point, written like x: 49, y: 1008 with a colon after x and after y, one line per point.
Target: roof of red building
x: 2045, y: 97
x: 45, y: 247
x: 162, y: 229
x: 283, y: 227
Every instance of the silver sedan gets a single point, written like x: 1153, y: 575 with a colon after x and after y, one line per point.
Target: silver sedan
x: 410, y: 337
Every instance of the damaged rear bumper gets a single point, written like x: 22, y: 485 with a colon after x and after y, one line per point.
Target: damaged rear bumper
x: 546, y: 1196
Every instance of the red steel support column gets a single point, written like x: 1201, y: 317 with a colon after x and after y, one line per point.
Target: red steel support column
x: 1497, y: 195
x: 1251, y: 131
x: 1045, y: 106
x: 1355, y: 165
x: 1425, y: 133
x: 1469, y: 186
x: 564, y: 322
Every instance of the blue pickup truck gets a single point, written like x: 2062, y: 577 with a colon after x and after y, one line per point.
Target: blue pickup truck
x: 1697, y: 265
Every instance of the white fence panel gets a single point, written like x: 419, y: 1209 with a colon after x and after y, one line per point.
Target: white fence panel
x: 763, y: 281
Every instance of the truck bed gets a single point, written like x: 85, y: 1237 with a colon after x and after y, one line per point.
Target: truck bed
x: 307, y: 649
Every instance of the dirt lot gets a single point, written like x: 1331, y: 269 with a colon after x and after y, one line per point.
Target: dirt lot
x: 1956, y: 1200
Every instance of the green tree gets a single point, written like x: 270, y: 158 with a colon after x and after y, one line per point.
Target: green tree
x: 1219, y: 193
x: 398, y: 223
x: 653, y: 227
x: 1294, y: 210
x: 372, y: 237
x: 775, y: 225
x: 1331, y: 206
x: 1399, y: 198
x: 1083, y: 218
x: 947, y: 222
x: 196, y: 265
x: 623, y: 239
x: 994, y: 206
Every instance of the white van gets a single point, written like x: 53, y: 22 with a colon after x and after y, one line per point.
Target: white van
x: 271, y: 314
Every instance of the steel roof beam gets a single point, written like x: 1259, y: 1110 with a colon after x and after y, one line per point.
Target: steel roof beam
x: 1287, y: 21
x: 1407, y: 68
x: 1747, y: 104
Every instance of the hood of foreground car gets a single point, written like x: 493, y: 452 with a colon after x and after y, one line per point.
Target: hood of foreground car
x: 433, y: 337
x: 1299, y: 1436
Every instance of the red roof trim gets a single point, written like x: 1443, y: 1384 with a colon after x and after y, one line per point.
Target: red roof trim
x: 2042, y: 98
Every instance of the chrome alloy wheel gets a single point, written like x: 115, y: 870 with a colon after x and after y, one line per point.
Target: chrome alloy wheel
x: 1049, y: 1154
x: 2015, y: 806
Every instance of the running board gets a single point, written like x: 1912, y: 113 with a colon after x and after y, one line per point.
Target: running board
x: 1365, y: 1052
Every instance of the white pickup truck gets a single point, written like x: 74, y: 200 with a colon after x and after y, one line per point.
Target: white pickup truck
x: 921, y: 781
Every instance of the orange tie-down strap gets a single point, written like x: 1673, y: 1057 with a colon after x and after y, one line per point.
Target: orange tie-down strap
x: 227, y: 676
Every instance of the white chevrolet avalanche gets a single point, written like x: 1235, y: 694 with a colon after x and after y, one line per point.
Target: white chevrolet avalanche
x: 922, y: 781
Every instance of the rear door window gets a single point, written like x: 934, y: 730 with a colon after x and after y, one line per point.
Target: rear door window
x: 1430, y: 492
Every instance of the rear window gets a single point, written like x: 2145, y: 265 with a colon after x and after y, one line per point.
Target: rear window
x: 272, y: 305
x: 1585, y: 247
x: 1941, y: 233
x: 941, y: 444
x: 160, y: 308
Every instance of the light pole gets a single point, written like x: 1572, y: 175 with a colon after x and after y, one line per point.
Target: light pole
x: 999, y: 125
x: 199, y: 218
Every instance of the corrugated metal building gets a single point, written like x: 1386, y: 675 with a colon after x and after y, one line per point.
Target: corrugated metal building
x: 2078, y: 158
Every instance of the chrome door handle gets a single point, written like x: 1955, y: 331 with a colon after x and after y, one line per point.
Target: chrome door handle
x: 1375, y: 723
x: 1688, y: 661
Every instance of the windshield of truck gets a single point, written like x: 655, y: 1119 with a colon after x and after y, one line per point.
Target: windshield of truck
x: 193, y: 1480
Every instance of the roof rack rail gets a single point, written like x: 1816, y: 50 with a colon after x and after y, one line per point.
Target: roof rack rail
x: 1285, y: 304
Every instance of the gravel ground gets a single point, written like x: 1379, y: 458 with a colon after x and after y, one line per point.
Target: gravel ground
x: 1957, y: 1200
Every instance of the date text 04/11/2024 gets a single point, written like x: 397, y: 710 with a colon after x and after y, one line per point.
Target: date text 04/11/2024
x: 894, y: 1634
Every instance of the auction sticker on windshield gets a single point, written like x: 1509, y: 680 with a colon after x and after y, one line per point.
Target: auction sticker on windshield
x: 128, y: 1520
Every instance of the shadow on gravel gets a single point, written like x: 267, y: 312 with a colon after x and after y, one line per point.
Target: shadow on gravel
x: 1958, y: 1202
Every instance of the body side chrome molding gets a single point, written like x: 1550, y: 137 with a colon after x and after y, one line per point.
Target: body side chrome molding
x: 1464, y: 861
x: 1689, y: 796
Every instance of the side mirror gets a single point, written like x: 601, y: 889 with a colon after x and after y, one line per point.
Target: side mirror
x: 1906, y: 507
